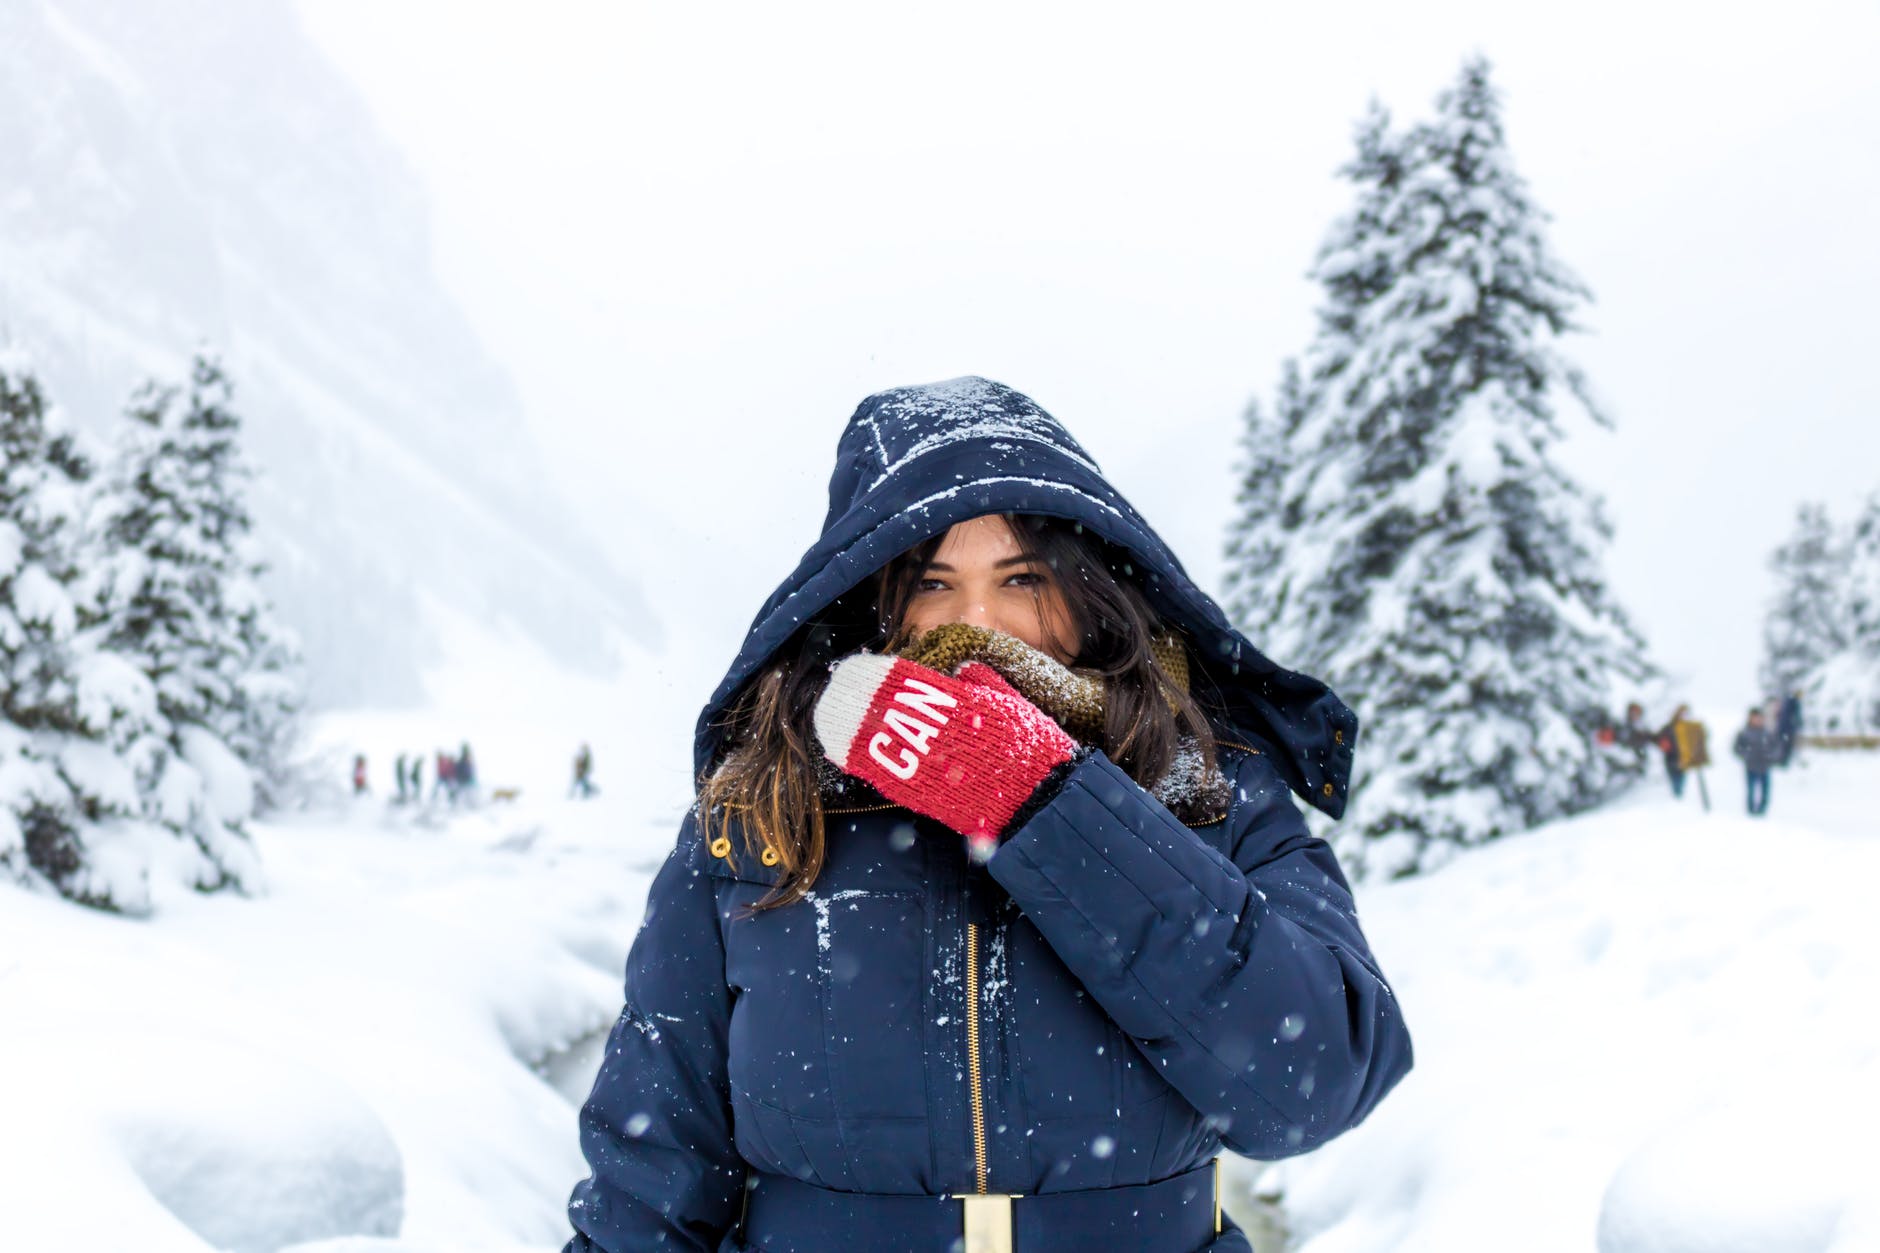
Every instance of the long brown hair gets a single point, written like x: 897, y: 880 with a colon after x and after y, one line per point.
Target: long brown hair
x: 770, y: 781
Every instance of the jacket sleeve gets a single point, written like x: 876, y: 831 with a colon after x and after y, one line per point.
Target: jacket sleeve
x: 1245, y: 982
x: 657, y: 1128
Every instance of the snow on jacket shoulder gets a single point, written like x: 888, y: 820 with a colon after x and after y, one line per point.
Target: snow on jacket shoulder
x: 1142, y: 992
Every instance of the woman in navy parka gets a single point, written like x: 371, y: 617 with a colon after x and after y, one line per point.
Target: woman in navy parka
x: 849, y: 1028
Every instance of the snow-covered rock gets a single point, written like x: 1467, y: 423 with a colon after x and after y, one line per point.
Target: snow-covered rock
x: 1706, y: 1184
x: 251, y: 1152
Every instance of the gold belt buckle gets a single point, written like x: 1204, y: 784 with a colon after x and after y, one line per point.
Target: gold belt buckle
x: 989, y: 1217
x: 988, y: 1222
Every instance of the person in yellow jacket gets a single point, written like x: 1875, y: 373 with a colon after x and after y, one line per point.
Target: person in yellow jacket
x: 1685, y: 745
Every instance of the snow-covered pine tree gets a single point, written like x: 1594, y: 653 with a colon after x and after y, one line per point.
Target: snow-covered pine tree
x: 1440, y: 569
x: 186, y: 586
x: 1842, y: 692
x: 169, y: 556
x: 177, y: 589
x: 262, y: 722
x: 1808, y: 619
x: 1267, y: 553
x: 1256, y: 536
x: 1863, y: 584
x: 74, y: 717
x: 264, y: 727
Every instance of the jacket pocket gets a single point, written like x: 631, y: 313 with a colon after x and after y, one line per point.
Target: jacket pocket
x: 827, y: 1044
x: 871, y: 949
x: 767, y: 1139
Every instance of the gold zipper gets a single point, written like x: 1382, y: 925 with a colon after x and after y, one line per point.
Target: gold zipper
x: 972, y: 1052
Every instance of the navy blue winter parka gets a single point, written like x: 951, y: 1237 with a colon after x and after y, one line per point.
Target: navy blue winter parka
x: 1140, y: 991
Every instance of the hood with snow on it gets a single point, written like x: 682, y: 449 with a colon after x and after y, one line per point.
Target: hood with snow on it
x: 915, y: 460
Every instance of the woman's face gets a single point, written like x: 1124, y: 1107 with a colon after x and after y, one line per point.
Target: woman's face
x: 980, y: 576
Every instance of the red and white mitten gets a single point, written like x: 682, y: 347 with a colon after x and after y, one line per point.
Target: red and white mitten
x: 965, y: 749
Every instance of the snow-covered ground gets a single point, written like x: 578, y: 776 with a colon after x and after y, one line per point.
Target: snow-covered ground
x: 1639, y: 1032
x: 350, y: 1056
x: 1650, y: 1030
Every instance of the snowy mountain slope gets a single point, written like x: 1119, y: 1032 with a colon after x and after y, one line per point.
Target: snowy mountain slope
x: 196, y: 171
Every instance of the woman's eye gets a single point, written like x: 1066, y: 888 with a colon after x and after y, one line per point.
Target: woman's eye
x: 1027, y: 579
x: 929, y: 585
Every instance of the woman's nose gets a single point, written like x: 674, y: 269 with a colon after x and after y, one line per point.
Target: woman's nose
x: 979, y: 613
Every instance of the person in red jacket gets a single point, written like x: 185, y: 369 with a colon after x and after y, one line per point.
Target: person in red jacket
x: 445, y: 777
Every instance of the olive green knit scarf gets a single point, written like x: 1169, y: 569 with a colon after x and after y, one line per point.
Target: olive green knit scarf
x: 1074, y: 698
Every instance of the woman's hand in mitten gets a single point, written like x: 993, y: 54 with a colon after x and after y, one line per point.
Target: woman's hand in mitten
x: 965, y: 749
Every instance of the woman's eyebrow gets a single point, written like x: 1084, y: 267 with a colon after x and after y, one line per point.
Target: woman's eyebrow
x: 997, y: 565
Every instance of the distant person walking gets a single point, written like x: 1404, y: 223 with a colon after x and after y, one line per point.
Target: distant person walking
x: 1670, y: 746
x: 583, y: 785
x: 1760, y: 748
x: 1690, y: 741
x: 1788, y: 727
x: 398, y: 772
x: 446, y: 781
x: 1635, y: 736
x: 359, y: 775
x: 465, y: 775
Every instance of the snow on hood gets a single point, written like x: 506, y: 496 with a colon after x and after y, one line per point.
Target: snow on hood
x: 915, y: 460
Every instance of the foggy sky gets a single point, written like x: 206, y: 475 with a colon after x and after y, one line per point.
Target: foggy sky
x: 698, y: 235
